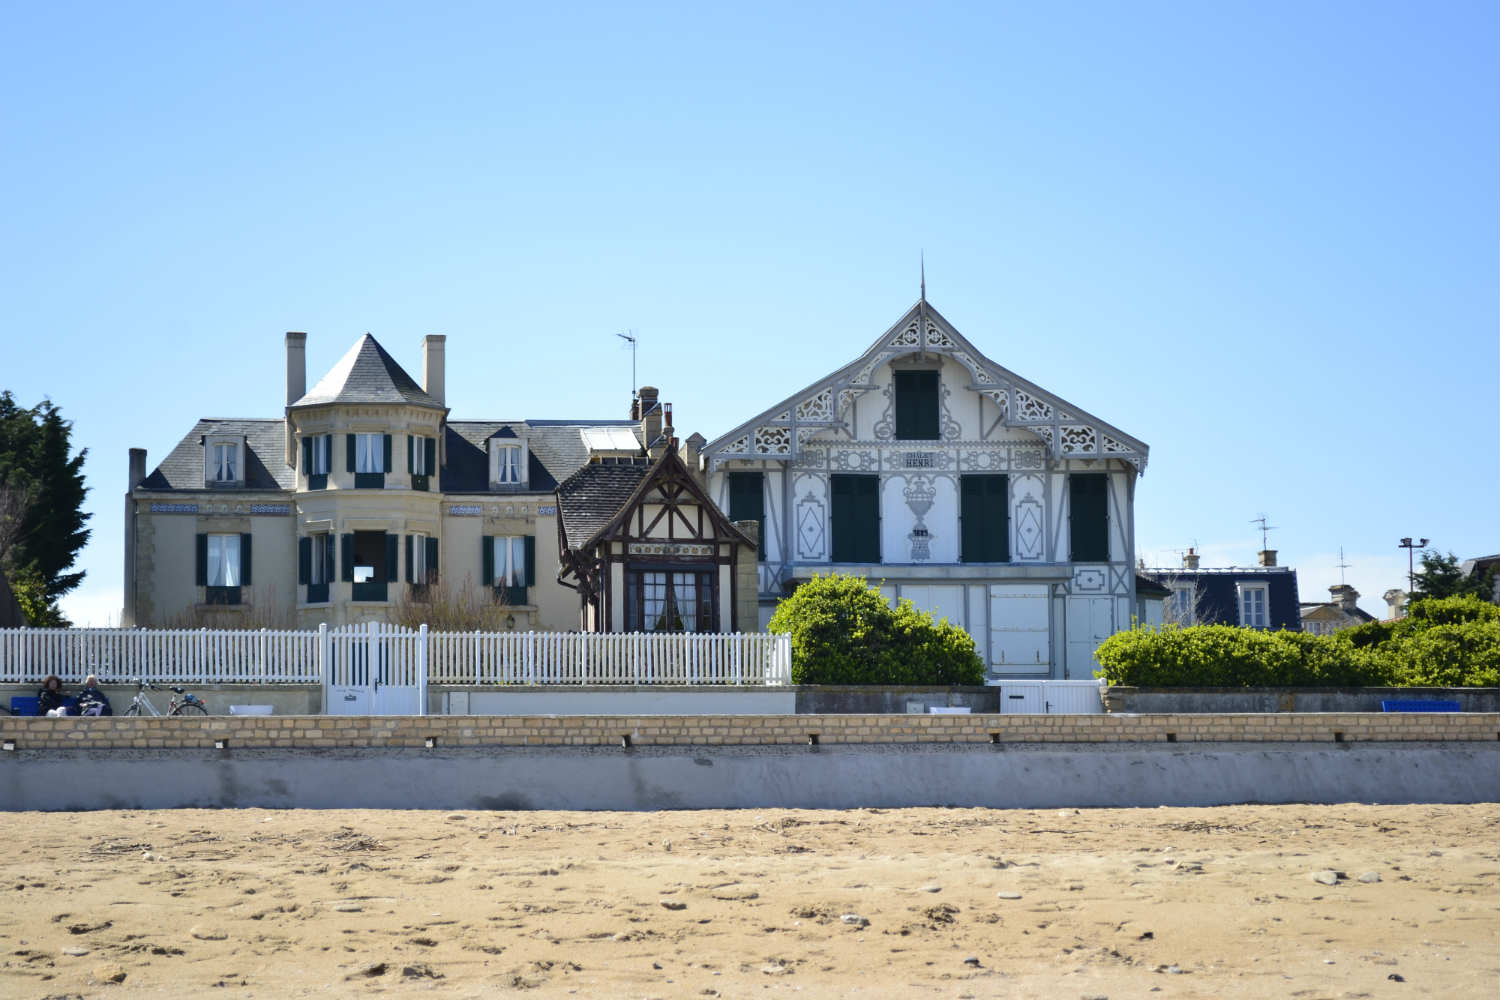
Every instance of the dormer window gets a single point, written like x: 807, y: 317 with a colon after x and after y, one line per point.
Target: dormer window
x: 224, y: 461
x: 507, y: 462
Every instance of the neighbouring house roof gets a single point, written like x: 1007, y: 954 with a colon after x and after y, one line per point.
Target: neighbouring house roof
x: 1217, y: 592
x: 265, y: 457
x: 555, y: 450
x: 367, y: 374
x: 1147, y: 587
x: 1323, y: 610
x: 591, y: 497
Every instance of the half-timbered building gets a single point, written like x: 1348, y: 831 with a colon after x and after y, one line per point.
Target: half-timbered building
x: 948, y: 479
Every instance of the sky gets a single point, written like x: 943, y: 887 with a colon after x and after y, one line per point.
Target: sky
x: 1261, y: 237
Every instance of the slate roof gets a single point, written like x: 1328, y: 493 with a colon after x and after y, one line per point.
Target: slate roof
x: 555, y: 449
x: 1218, y: 596
x: 591, y: 497
x: 265, y: 458
x: 1338, y: 609
x: 367, y: 374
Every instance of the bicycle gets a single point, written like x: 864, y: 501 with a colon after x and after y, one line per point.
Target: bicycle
x: 141, y: 705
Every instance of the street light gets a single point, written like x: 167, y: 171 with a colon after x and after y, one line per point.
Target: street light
x: 1411, y: 547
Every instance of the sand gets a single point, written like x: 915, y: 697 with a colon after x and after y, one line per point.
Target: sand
x: 1114, y: 903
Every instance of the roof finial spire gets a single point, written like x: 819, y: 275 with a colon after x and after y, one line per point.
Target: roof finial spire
x: 924, y: 275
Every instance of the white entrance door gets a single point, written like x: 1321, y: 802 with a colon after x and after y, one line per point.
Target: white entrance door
x: 1091, y: 620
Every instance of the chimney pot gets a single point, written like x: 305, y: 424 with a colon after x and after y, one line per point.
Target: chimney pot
x: 296, y: 366
x: 1190, y: 561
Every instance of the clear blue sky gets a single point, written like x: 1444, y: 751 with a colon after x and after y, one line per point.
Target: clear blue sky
x: 1261, y: 237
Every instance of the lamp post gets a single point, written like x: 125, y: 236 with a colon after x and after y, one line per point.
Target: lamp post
x: 1411, y: 548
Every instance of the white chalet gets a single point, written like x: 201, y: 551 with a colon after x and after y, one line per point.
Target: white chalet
x: 936, y: 473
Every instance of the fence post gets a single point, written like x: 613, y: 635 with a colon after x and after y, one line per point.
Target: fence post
x: 324, y: 662
x: 422, y: 670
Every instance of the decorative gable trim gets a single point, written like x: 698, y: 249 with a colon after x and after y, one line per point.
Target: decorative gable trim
x: 1067, y: 431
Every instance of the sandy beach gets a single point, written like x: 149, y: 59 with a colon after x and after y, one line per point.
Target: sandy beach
x: 1246, y: 901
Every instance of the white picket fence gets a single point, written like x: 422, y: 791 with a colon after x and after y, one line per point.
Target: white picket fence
x: 340, y: 655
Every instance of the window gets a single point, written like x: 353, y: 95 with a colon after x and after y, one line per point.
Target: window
x: 421, y: 560
x: 369, y: 459
x: 747, y: 503
x: 856, y: 518
x: 670, y: 601
x: 316, y: 460
x: 508, y: 465
x: 224, y: 461
x: 916, y: 405
x: 369, y: 563
x: 223, y: 567
x: 1088, y: 517
x: 510, y: 565
x: 1254, y: 612
x: 1181, y: 604
x: 315, y: 565
x: 984, y: 512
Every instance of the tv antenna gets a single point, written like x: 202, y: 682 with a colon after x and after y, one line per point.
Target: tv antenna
x: 629, y: 338
x: 1341, y: 565
x: 1264, y: 529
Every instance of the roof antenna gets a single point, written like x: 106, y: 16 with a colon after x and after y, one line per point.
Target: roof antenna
x: 629, y: 338
x: 1264, y: 528
x: 1341, y: 565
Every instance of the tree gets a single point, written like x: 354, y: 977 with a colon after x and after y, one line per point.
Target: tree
x: 1441, y: 576
x: 42, y: 518
x: 844, y: 632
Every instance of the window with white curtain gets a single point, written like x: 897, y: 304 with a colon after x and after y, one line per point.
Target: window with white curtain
x: 508, y: 464
x: 223, y: 560
x: 224, y: 464
x: 669, y: 601
x: 369, y: 453
x: 1254, y: 606
x: 318, y: 453
x: 510, y: 561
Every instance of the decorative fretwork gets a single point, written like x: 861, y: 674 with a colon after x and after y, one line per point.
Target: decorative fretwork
x: 856, y: 460
x: 907, y: 337
x: 1113, y: 447
x: 782, y: 417
x: 810, y: 458
x: 863, y: 377
x: 1028, y: 458
x: 1029, y: 408
x: 984, y: 460
x: 951, y: 431
x: 1078, y: 440
x: 1043, y: 431
x: 981, y: 377
x: 937, y: 338
x: 1000, y: 398
x: 741, y: 446
x: 819, y: 407
x: 773, y: 441
x: 885, y: 427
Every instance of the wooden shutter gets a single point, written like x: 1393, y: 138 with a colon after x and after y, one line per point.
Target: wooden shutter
x: 346, y: 561
x: 432, y: 559
x: 349, y: 440
x: 487, y: 560
x: 410, y: 440
x: 867, y: 504
x: 984, y: 519
x: 200, y: 560
x: 307, y: 456
x: 328, y: 557
x: 392, y: 550
x: 245, y: 560
x: 429, y: 448
x: 971, y: 519
x: 747, y: 503
x: 916, y: 402
x: 304, y: 558
x: 411, y: 576
x: 1088, y: 517
x: 530, y: 579
x: 385, y: 452
x: 856, y: 518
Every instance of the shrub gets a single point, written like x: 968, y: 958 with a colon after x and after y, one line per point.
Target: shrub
x: 844, y: 632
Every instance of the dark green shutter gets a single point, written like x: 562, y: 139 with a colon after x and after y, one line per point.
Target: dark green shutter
x: 349, y: 440
x: 971, y: 519
x: 409, y: 440
x: 307, y: 456
x: 530, y: 561
x: 245, y: 560
x: 411, y: 577
x: 747, y: 503
x: 487, y: 560
x: 984, y: 518
x: 304, y: 559
x: 916, y: 401
x: 432, y: 559
x: 200, y: 561
x: 346, y: 558
x: 392, y: 550
x: 429, y: 446
x: 1088, y: 517
x: 327, y: 557
x: 385, y: 450
x: 856, y: 518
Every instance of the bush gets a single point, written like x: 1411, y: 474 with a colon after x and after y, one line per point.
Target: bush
x: 844, y: 632
x: 1443, y: 642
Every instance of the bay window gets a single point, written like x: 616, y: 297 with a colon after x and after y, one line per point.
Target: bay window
x: 676, y: 600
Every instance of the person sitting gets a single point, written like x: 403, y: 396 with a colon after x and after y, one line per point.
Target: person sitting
x: 49, y: 700
x: 92, y: 701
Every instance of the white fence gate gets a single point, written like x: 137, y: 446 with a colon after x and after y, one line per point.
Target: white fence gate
x: 1050, y: 698
x: 376, y: 669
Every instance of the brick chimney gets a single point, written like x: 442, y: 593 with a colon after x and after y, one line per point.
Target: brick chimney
x: 434, y: 372
x: 1345, y: 596
x: 1190, y: 560
x: 650, y: 411
x: 1267, y: 557
x: 296, y: 366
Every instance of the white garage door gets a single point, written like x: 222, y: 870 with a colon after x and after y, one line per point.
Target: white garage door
x: 1019, y: 640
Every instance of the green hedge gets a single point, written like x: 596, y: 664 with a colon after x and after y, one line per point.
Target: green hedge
x: 1443, y: 642
x: 844, y: 632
